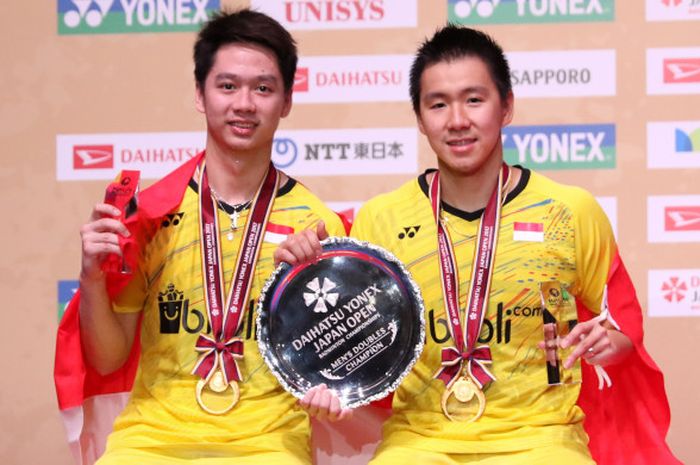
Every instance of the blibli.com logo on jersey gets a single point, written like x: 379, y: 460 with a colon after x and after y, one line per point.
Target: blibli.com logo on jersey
x: 561, y: 147
x: 125, y: 16
x: 499, y: 330
x: 176, y: 315
x: 529, y: 11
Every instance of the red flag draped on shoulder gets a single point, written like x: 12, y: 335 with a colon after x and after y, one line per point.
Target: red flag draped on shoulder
x: 627, y: 422
x: 88, y: 401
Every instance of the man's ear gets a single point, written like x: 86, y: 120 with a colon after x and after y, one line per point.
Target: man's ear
x: 199, y: 99
x: 419, y: 122
x: 287, y: 107
x: 508, y: 109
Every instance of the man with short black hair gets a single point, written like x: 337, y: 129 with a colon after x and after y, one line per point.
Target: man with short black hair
x: 492, y: 244
x: 202, y: 393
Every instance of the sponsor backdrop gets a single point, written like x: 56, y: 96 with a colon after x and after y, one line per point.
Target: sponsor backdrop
x: 607, y: 97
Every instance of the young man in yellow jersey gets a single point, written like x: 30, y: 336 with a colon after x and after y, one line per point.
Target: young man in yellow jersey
x: 491, y: 244
x: 199, y: 252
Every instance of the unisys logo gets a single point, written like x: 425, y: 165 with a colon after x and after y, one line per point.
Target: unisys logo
x: 301, y: 80
x: 93, y: 157
x: 685, y: 218
x: 678, y: 70
x: 340, y: 14
x: 304, y: 11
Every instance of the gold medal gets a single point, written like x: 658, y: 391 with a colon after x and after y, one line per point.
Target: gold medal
x: 217, y: 384
x: 464, y: 390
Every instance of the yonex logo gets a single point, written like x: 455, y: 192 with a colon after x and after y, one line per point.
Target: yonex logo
x: 518, y: 11
x: 172, y: 219
x: 561, y: 146
x: 93, y: 17
x: 320, y: 295
x: 409, y: 232
x: 93, y: 157
x: 483, y: 8
x: 112, y: 16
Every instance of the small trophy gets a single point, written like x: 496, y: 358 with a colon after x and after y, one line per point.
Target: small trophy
x: 558, y: 317
x: 122, y: 194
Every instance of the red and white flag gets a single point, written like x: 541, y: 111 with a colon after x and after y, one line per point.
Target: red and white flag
x: 276, y: 233
x: 528, y: 232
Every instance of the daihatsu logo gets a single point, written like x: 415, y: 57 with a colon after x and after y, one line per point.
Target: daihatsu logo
x: 93, y: 156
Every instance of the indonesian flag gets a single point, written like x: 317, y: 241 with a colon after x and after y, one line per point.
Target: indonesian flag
x: 276, y: 233
x: 89, y: 402
x: 528, y: 232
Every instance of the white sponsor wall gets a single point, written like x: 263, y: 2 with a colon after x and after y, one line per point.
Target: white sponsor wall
x: 607, y: 97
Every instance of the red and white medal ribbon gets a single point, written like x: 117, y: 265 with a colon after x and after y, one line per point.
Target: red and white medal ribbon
x: 221, y: 349
x: 465, y: 354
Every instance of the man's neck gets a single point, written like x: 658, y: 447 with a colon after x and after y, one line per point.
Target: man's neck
x: 235, y: 177
x: 471, y: 192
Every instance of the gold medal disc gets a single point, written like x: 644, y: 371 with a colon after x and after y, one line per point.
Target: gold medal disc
x: 216, y: 384
x: 464, y: 389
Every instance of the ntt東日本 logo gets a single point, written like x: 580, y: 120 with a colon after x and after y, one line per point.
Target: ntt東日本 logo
x: 673, y: 218
x: 93, y: 157
x: 681, y: 70
x: 340, y: 14
x: 125, y: 16
x: 558, y: 147
x: 674, y: 292
x: 529, y: 11
x: 682, y: 218
x: 343, y: 152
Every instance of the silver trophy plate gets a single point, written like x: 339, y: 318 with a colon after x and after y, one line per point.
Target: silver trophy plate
x: 353, y: 320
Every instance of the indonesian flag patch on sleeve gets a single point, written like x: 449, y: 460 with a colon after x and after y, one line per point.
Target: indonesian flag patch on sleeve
x: 276, y: 233
x: 528, y: 232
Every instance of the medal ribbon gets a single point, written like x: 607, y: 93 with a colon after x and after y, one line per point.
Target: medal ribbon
x: 221, y: 349
x: 465, y: 350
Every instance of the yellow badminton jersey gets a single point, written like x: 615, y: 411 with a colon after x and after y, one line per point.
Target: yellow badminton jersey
x: 548, y: 232
x: 162, y: 417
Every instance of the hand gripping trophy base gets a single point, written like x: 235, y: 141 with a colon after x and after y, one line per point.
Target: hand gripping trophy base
x: 217, y: 384
x: 464, y: 389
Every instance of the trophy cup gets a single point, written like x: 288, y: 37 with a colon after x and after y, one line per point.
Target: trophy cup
x: 352, y: 319
x: 559, y: 317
